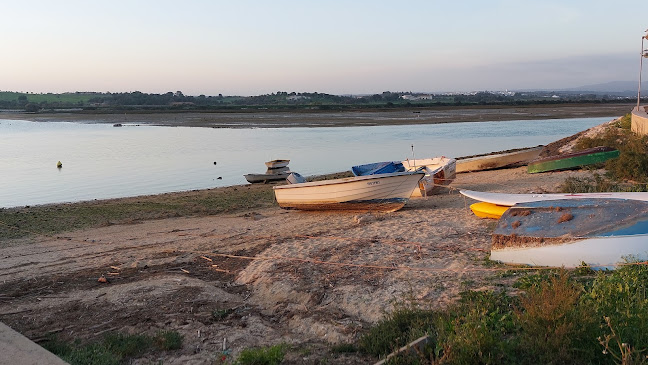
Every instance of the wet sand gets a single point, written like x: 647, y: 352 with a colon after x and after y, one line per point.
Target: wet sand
x: 272, y: 119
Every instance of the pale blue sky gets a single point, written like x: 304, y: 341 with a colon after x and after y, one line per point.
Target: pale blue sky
x: 249, y: 47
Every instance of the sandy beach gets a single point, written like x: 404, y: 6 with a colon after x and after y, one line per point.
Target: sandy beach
x: 307, y: 279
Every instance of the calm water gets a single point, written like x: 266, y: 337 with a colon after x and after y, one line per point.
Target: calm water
x: 101, y: 161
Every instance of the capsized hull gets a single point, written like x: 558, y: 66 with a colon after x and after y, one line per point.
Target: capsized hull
x: 382, y: 192
x: 572, y: 160
x: 261, y: 178
x: 512, y: 199
x: 599, y: 252
x: 499, y: 160
x: 598, y: 232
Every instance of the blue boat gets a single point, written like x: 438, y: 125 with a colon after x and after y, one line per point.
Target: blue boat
x: 378, y: 168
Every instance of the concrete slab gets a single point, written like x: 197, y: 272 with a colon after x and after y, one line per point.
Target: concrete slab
x: 18, y: 349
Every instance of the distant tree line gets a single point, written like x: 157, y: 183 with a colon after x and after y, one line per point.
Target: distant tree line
x: 177, y: 101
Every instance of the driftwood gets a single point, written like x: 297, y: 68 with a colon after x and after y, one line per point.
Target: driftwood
x: 414, y: 346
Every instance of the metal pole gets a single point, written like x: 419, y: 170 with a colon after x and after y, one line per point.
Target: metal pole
x: 640, y: 67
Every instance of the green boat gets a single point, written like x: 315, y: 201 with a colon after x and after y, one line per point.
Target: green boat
x: 589, y: 156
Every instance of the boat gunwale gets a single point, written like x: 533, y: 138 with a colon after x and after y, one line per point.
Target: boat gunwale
x: 581, y: 153
x: 346, y: 180
x: 498, y: 155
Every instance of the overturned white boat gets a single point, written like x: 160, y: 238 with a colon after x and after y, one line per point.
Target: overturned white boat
x: 600, y: 232
x: 381, y: 192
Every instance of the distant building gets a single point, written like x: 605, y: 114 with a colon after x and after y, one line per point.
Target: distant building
x: 297, y: 97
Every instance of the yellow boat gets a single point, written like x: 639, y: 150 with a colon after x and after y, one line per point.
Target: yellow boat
x: 488, y: 210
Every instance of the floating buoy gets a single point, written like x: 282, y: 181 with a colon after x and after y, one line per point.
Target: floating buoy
x: 59, y: 164
x: 214, y: 162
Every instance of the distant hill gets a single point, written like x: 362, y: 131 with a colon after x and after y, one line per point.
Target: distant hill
x: 622, y: 88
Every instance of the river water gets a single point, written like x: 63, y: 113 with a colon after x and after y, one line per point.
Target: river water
x: 101, y: 161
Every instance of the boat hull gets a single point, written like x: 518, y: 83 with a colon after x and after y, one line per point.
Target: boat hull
x: 600, y: 253
x: 598, y: 232
x: 263, y: 178
x: 573, y: 160
x: 382, y: 192
x: 439, y: 172
x: 488, y: 210
x: 275, y: 164
x: 488, y: 162
x: 512, y: 199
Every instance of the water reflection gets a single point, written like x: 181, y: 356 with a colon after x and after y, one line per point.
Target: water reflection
x: 100, y: 161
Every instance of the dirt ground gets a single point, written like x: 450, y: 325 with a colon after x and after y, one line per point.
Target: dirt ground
x: 307, y: 279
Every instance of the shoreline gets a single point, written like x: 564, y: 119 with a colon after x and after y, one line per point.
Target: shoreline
x: 301, y: 119
x: 305, y: 278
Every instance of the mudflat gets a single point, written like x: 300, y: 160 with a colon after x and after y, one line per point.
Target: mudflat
x: 313, y: 118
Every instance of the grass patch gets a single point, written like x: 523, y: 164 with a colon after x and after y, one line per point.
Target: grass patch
x: 53, y: 219
x: 220, y: 314
x: 114, y: 348
x: 168, y: 340
x: 272, y: 355
x: 562, y: 317
x: 632, y: 163
x: 344, y: 348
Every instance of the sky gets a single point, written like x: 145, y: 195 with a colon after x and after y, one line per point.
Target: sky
x: 254, y: 47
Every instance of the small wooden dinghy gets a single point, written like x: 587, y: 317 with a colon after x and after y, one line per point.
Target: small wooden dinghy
x: 586, y: 157
x: 277, y: 170
x: 263, y: 178
x: 275, y: 164
x: 487, y: 162
x: 599, y: 232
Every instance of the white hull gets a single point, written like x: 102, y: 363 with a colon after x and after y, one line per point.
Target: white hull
x: 498, y: 160
x: 598, y: 252
x: 439, y: 172
x: 512, y: 199
x: 259, y: 178
x: 275, y: 164
x: 384, y: 192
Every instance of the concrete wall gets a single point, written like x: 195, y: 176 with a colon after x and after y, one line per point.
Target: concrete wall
x: 640, y: 121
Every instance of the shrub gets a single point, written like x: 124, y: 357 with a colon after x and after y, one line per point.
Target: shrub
x: 632, y: 163
x: 555, y: 325
x: 621, y: 296
x: 479, y: 330
x: 168, y: 340
x: 403, y: 325
x: 263, y: 356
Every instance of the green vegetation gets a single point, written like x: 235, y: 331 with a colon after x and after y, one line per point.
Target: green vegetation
x: 632, y: 163
x: 53, y: 219
x: 96, y: 102
x: 628, y: 172
x: 272, y: 355
x: 115, y: 348
x: 562, y: 317
x: 220, y: 314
